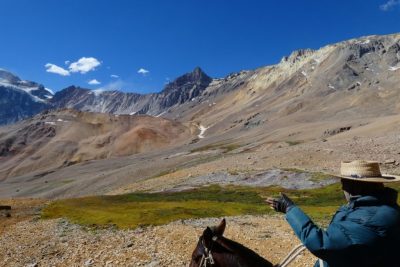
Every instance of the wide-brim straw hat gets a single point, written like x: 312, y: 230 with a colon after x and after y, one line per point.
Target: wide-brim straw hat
x: 365, y: 171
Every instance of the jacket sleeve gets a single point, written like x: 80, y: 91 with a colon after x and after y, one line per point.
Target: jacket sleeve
x: 323, y: 244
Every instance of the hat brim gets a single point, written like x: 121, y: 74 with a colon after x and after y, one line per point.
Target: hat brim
x: 385, y: 178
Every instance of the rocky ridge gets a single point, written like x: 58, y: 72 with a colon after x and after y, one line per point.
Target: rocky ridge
x: 24, y: 99
x: 21, y: 99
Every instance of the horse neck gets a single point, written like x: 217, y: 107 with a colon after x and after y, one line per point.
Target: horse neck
x: 241, y: 255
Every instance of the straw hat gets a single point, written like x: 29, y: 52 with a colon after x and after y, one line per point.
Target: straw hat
x: 365, y: 171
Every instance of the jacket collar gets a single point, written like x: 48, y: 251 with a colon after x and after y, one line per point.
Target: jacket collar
x: 387, y: 197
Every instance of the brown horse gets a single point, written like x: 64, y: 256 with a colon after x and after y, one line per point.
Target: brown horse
x: 217, y: 251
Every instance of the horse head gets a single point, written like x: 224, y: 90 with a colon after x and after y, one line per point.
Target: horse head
x: 202, y: 255
x: 214, y: 250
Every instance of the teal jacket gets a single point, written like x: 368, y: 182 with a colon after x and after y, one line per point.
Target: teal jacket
x: 365, y: 232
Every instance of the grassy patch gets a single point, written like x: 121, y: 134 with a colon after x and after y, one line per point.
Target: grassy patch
x: 293, y: 170
x: 162, y: 173
x: 315, y: 176
x: 137, y: 209
x: 226, y: 147
x: 133, y: 210
x: 319, y: 176
x: 233, y: 172
x: 293, y: 143
x: 67, y: 181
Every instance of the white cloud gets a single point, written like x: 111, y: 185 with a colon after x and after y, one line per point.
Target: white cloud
x: 94, y: 82
x: 389, y: 5
x: 117, y: 85
x: 114, y: 76
x: 52, y: 68
x: 67, y: 62
x: 143, y: 71
x: 84, y: 65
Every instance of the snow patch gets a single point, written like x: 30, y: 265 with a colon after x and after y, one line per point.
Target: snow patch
x: 202, y: 131
x: 132, y: 113
x: 366, y: 42
x: 27, y: 90
x: 97, y: 92
x: 394, y: 68
x: 50, y: 122
x: 162, y: 113
x: 49, y: 90
x: 304, y: 73
x: 331, y: 86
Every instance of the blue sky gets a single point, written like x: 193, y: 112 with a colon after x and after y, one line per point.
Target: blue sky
x: 63, y: 42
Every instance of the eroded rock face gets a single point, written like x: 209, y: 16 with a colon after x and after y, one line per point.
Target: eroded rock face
x: 179, y: 91
x: 16, y: 143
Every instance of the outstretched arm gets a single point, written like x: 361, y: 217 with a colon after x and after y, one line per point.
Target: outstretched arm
x: 323, y: 244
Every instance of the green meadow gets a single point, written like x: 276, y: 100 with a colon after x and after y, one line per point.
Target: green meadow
x: 141, y: 209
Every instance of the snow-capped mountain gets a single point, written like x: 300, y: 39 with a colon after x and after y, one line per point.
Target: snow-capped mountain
x: 181, y: 90
x: 21, y: 99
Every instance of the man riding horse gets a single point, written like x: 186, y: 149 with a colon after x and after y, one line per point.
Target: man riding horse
x: 364, y: 232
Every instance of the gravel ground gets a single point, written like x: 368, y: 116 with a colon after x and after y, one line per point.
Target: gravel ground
x: 59, y: 243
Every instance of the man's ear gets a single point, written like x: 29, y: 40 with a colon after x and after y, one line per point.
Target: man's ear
x: 220, y: 229
x: 207, y: 237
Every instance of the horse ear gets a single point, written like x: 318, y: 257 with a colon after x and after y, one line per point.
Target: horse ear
x: 207, y: 237
x: 220, y: 229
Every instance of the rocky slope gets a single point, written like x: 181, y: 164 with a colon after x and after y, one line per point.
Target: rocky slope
x: 66, y: 137
x: 20, y: 99
x: 351, y: 80
x: 181, y: 90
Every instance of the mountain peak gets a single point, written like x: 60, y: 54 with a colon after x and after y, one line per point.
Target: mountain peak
x: 188, y: 80
x: 197, y: 70
x: 8, y: 76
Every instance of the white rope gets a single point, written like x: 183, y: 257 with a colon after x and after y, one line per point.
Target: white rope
x: 293, y: 254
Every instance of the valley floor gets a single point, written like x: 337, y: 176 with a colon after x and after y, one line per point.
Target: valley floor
x: 59, y: 243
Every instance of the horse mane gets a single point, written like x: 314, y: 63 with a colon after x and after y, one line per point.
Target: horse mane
x: 243, y: 252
